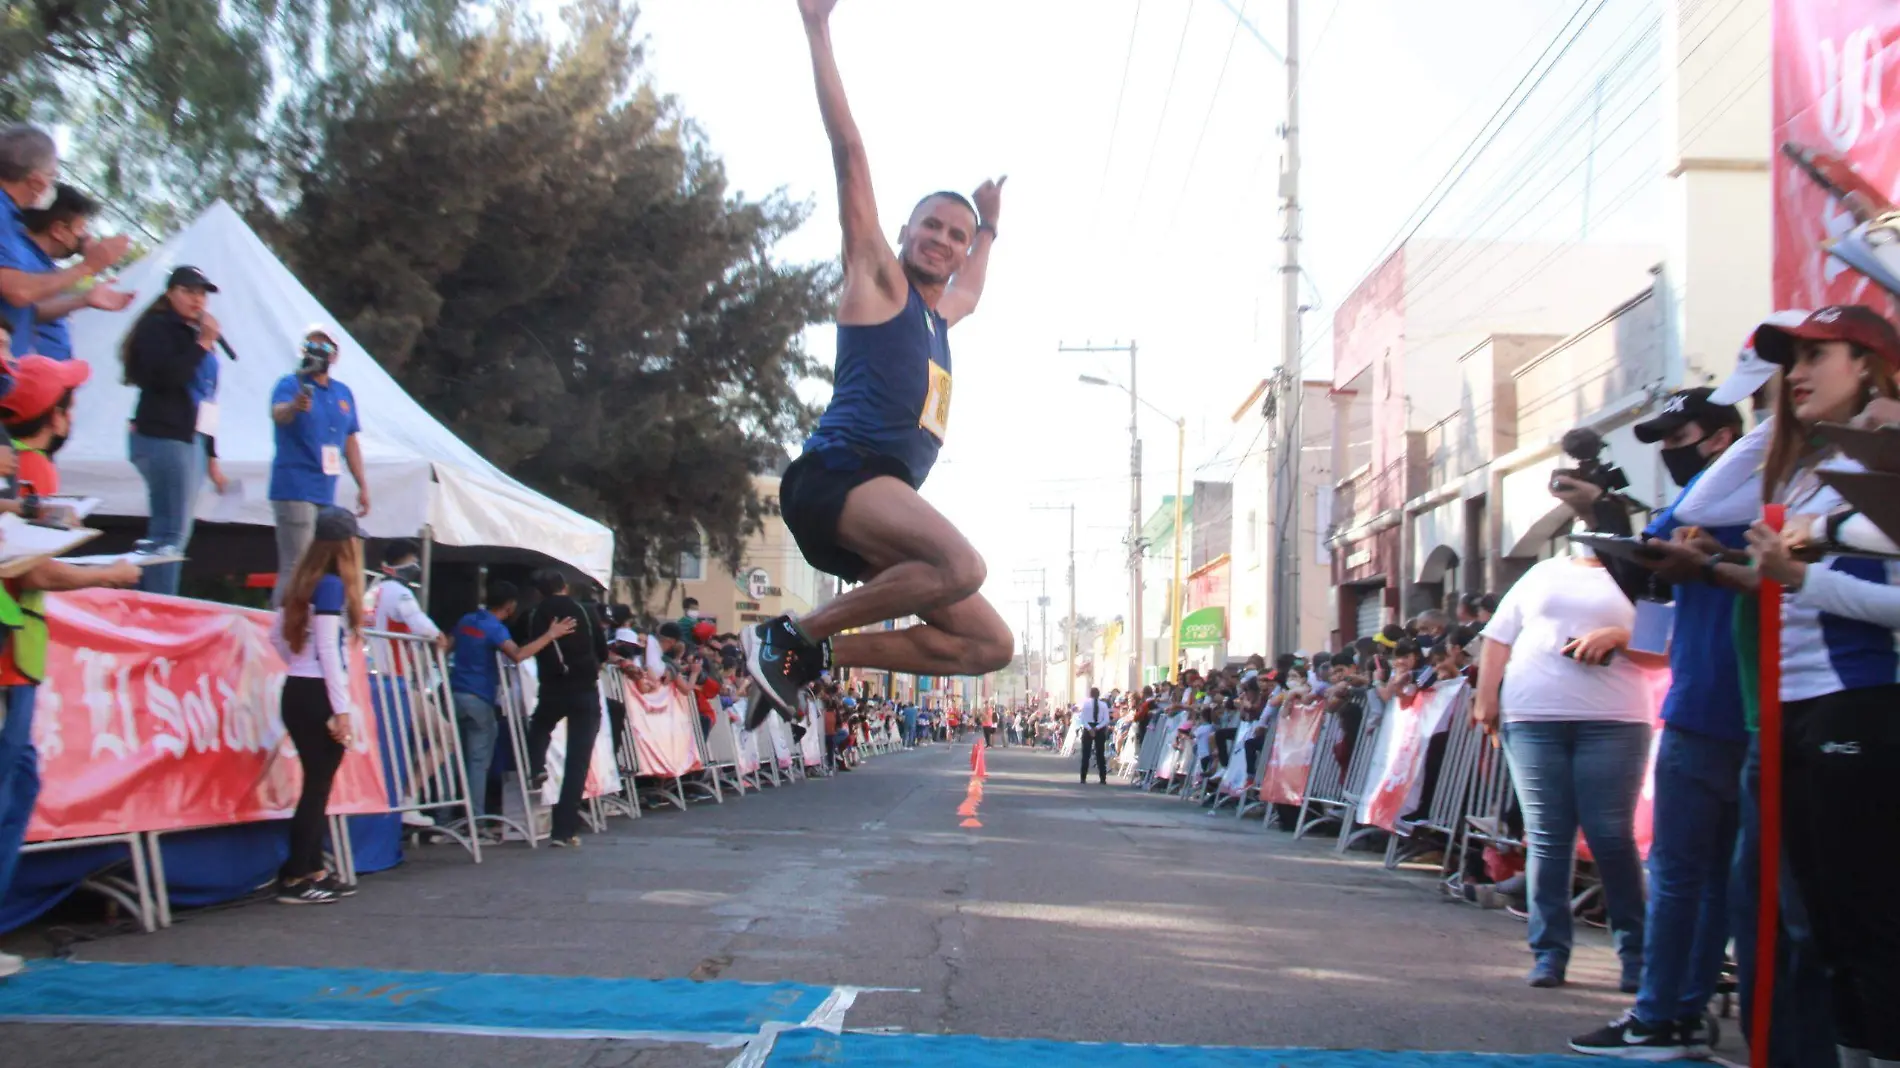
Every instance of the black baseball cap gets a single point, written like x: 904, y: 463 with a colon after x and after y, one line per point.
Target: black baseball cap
x: 1684, y: 407
x: 189, y: 278
x: 336, y: 524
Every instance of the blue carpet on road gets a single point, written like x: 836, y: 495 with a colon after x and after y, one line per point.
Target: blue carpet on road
x: 880, y: 1051
x: 369, y: 999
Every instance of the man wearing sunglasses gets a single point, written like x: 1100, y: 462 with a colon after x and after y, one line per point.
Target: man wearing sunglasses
x: 316, y: 424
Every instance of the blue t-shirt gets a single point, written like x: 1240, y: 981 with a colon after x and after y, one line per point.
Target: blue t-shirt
x: 296, y: 472
x: 892, y: 390
x: 1705, y: 688
x: 19, y: 253
x: 204, y: 384
x: 478, y: 637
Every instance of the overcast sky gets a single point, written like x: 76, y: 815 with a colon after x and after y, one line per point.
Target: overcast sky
x: 1167, y: 231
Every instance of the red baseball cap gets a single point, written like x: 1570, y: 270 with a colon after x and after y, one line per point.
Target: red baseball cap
x: 1856, y: 324
x: 38, y: 384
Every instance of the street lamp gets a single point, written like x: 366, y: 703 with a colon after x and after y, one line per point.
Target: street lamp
x: 1180, y: 474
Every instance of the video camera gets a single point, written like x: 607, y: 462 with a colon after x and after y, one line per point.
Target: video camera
x: 1586, y: 447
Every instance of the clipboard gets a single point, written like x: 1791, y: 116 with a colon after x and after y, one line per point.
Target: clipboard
x: 1875, y: 493
x: 1618, y: 545
x: 1875, y: 448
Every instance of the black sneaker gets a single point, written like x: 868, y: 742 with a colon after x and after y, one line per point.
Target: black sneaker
x: 337, y: 886
x: 1630, y: 1039
x: 781, y: 662
x: 1699, y: 1034
x: 306, y: 892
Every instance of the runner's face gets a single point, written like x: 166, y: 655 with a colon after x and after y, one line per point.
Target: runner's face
x: 936, y: 241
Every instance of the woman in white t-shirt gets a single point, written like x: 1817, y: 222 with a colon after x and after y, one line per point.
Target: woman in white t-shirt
x: 1576, y: 724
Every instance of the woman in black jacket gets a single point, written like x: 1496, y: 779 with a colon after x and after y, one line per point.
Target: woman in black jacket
x: 161, y: 357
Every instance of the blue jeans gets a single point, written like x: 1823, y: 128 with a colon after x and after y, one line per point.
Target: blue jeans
x: 19, y: 778
x: 479, y: 724
x: 910, y: 728
x: 1803, y: 1032
x: 173, y: 472
x: 1588, y: 774
x: 1698, y: 783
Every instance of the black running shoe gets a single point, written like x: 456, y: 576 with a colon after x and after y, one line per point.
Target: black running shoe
x: 1699, y: 1034
x: 337, y: 886
x: 306, y: 892
x: 781, y: 662
x: 1627, y: 1038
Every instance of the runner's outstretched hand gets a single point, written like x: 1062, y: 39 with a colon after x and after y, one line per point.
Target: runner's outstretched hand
x: 989, y: 200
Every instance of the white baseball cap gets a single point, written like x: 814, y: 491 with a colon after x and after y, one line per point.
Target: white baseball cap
x: 1751, y: 370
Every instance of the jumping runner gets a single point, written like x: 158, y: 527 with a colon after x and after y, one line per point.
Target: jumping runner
x: 851, y: 499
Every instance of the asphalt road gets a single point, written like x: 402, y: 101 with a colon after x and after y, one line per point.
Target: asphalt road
x: 1084, y: 913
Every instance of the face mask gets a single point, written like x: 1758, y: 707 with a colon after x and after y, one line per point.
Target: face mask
x: 58, y: 443
x: 46, y: 198
x: 1684, y: 462
x: 407, y: 573
x: 692, y: 613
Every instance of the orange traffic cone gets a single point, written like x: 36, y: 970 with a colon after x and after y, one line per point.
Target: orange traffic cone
x: 976, y: 760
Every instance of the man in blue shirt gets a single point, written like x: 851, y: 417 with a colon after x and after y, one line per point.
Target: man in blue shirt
x: 29, y: 180
x: 57, y: 233
x: 317, y: 423
x: 1698, y: 770
x: 475, y: 677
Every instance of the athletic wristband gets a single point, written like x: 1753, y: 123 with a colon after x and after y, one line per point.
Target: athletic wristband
x: 987, y: 228
x: 1708, y: 571
x: 1831, y: 529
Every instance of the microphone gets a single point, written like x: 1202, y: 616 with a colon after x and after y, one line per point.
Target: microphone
x: 226, y: 346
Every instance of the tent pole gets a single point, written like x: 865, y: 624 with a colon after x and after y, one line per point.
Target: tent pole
x: 428, y: 561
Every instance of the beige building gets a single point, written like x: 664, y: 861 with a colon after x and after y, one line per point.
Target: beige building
x: 772, y: 579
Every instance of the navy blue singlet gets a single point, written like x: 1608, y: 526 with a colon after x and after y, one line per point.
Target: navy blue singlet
x: 892, y: 393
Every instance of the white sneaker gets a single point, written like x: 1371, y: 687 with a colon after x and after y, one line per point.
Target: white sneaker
x: 416, y: 819
x: 11, y: 965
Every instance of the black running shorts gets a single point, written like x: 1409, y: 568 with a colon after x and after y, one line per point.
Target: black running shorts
x: 811, y: 498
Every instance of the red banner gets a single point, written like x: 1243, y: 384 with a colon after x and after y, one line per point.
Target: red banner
x: 662, y: 725
x: 1411, y: 721
x: 1295, y: 742
x: 1836, y: 68
x: 160, y: 713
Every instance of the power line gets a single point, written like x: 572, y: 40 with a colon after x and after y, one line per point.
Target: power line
x: 1121, y: 94
x: 1187, y: 180
x: 1161, y: 124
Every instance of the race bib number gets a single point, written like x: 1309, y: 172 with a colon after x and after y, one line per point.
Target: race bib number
x: 208, y: 418
x: 332, y: 460
x: 936, y: 413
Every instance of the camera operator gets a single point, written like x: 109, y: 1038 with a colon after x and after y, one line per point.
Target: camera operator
x: 317, y: 424
x: 1698, y: 760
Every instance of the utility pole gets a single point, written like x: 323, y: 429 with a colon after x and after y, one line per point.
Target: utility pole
x: 1286, y: 465
x: 1043, y: 603
x: 1069, y: 508
x: 1134, y: 508
x: 1028, y: 633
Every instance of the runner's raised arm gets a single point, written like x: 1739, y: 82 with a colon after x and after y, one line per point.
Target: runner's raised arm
x: 867, y: 255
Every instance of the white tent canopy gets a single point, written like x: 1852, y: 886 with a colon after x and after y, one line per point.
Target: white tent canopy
x: 420, y: 474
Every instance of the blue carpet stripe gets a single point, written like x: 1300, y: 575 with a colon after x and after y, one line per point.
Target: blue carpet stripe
x: 803, y: 1047
x: 373, y: 999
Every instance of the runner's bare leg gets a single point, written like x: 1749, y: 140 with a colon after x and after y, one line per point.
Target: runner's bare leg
x: 920, y: 565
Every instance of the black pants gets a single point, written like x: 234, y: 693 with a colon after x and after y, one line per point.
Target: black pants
x: 306, y: 712
x: 1252, y: 747
x: 1095, y: 741
x: 582, y: 712
x: 1223, y: 745
x: 989, y: 737
x: 1839, y: 809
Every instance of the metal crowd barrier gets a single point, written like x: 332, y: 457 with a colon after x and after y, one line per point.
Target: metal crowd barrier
x: 1333, y: 792
x: 1250, y: 801
x: 1486, y: 821
x: 423, y: 770
x: 1444, y: 809
x: 140, y: 895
